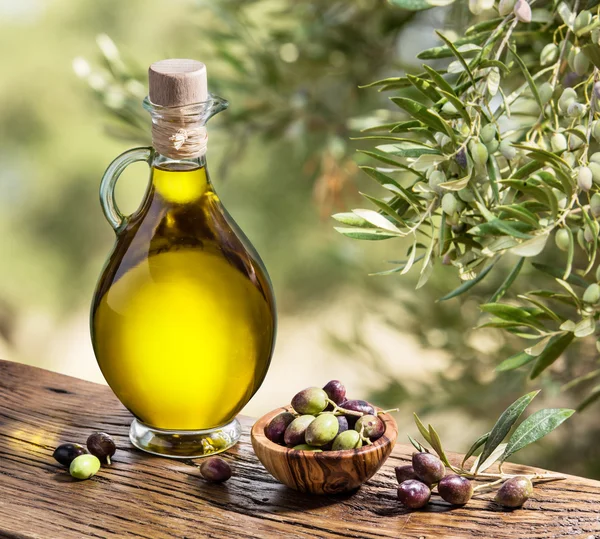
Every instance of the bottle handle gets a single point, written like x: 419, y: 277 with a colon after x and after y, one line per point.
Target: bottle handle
x: 109, y: 180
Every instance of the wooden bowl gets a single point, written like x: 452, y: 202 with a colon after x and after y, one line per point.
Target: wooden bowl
x: 329, y: 472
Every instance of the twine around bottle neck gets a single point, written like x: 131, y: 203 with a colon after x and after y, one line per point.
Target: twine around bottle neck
x: 179, y: 132
x: 180, y: 137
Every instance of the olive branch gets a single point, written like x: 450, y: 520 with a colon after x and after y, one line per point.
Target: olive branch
x: 490, y: 157
x: 491, y: 446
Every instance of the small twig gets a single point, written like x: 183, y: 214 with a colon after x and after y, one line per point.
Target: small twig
x: 488, y: 485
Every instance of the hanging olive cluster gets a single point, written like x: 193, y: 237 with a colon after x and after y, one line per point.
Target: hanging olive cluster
x: 427, y: 472
x: 324, y: 420
x: 83, y: 462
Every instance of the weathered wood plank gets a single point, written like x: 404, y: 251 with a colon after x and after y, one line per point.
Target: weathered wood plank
x: 142, y: 496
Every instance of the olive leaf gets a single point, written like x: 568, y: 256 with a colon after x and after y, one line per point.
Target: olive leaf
x: 536, y: 426
x: 467, y: 285
x: 489, y: 461
x: 351, y: 219
x: 417, y: 445
x: 506, y: 284
x: 528, y: 77
x: 412, y: 5
x: 408, y: 149
x: 376, y: 219
x: 457, y: 54
x: 436, y: 444
x: 423, y: 114
x: 422, y: 429
x: 505, y: 422
x: 510, y: 313
x: 439, y: 80
x: 553, y: 350
x: 559, y: 273
x: 514, y: 362
x: 476, y: 445
x: 366, y: 233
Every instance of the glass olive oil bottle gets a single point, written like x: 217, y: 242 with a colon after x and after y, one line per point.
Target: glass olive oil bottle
x: 183, y: 319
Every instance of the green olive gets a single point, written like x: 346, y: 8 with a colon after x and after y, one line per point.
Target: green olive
x: 349, y: 439
x: 479, y: 153
x: 549, y: 54
x: 488, y: 133
x: 311, y: 400
x: 322, y: 430
x: 507, y: 150
x: 562, y: 239
x: 306, y: 447
x: 84, y: 466
x: 558, y: 142
x: 584, y: 178
x: 592, y: 294
x: 545, y: 91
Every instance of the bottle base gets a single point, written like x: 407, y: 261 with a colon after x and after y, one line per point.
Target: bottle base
x: 184, y: 444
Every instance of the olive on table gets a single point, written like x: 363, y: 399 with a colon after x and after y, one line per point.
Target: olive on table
x: 413, y: 494
x: 84, y: 466
x: 455, y: 489
x: 67, y: 453
x: 404, y: 473
x: 514, y: 492
x: 428, y: 467
x: 102, y: 446
x: 215, y: 470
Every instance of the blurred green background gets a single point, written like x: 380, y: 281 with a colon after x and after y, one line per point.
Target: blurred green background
x: 282, y: 160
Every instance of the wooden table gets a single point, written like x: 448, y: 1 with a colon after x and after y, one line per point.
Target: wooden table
x: 142, y: 496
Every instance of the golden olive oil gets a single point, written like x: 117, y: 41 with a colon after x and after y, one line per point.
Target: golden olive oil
x: 183, y: 323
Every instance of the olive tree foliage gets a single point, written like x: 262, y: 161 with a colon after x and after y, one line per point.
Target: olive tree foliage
x: 491, y: 164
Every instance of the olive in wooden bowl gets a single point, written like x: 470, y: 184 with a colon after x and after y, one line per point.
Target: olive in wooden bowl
x: 327, y: 472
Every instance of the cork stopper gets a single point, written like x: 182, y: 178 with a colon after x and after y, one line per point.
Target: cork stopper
x: 177, y: 82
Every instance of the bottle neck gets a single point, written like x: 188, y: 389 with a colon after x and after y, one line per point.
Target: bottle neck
x: 188, y: 163
x: 179, y: 133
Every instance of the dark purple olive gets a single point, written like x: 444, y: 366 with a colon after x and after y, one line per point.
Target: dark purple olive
x: 404, y: 473
x: 335, y: 391
x: 461, y: 158
x: 455, y: 489
x: 357, y: 406
x: 67, y: 453
x: 275, y: 430
x: 413, y: 494
x: 428, y: 467
x: 101, y: 445
x: 514, y: 492
x: 343, y: 423
x: 372, y: 427
x: 215, y: 470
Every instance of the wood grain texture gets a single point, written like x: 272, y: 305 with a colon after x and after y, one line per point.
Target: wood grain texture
x: 329, y: 472
x: 141, y: 496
